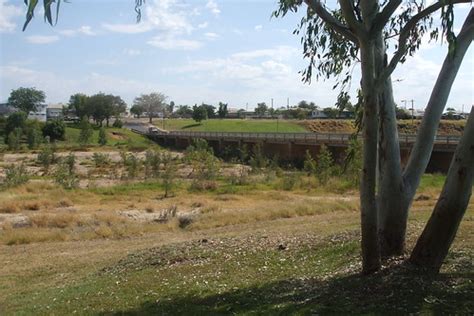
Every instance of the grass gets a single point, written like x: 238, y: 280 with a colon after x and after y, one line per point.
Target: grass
x: 291, y: 267
x: 116, y: 138
x: 233, y: 125
x: 253, y: 249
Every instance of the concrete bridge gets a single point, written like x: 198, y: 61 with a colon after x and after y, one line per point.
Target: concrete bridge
x: 292, y: 146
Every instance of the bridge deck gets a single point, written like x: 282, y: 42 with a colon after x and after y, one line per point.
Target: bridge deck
x: 406, y: 140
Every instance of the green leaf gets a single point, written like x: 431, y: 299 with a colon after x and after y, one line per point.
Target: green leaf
x: 47, y: 11
x: 30, y: 12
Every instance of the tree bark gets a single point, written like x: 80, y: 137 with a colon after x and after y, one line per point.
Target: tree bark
x: 392, y: 215
x: 369, y: 214
x: 438, y: 235
x: 423, y: 147
x: 396, y: 193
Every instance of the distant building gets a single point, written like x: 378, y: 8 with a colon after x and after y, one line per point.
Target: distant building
x: 233, y: 113
x: 318, y: 114
x: 54, y: 111
x: 418, y: 114
x: 40, y: 113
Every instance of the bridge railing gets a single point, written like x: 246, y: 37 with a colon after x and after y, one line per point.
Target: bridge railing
x: 292, y: 137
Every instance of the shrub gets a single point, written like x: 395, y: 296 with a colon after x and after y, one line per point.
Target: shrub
x: 309, y: 165
x: 205, y: 165
x: 131, y: 164
x: 85, y: 133
x: 14, y: 120
x: 117, y: 123
x: 55, y: 130
x: 65, y: 175
x: 258, y: 160
x: 169, y: 173
x: 290, y: 181
x: 14, y: 139
x: 46, y: 157
x: 325, y: 165
x: 34, y: 137
x: 102, y: 137
x: 15, y: 176
x: 239, y: 178
x: 100, y: 160
x: 152, y: 163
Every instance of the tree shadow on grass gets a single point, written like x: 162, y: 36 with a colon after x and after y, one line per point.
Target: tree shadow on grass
x: 191, y: 126
x: 399, y: 290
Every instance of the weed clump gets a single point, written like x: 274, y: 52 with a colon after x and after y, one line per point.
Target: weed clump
x: 65, y: 175
x: 15, y: 176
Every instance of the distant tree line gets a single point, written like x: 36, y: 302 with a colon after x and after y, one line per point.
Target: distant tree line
x: 100, y: 107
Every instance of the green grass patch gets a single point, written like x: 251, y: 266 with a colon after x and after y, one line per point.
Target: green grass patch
x: 233, y: 125
x: 256, y: 275
x: 116, y: 138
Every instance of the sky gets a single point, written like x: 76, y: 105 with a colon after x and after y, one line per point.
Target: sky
x: 193, y: 51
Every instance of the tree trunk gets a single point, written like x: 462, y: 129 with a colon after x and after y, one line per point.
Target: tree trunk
x: 369, y: 214
x: 438, y: 235
x: 392, y: 214
x: 396, y: 193
x: 150, y: 119
x: 423, y: 147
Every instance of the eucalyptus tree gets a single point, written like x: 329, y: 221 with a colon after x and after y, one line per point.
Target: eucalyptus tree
x: 336, y: 39
x: 152, y: 104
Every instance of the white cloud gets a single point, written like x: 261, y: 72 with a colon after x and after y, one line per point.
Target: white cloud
x: 42, y: 39
x: 278, y: 53
x: 132, y: 52
x: 213, y: 7
x: 203, y: 25
x: 84, y: 30
x: 164, y: 16
x: 8, y: 13
x: 174, y: 44
x: 258, y: 27
x: 170, y: 19
x: 128, y: 28
x: 211, y: 35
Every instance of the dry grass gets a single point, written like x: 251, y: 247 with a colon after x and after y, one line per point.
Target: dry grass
x: 36, y: 205
x: 56, y: 220
x: 212, y: 217
x: 10, y: 207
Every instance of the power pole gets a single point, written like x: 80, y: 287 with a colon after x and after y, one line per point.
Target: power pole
x: 412, y: 111
x: 405, y: 104
x: 288, y: 103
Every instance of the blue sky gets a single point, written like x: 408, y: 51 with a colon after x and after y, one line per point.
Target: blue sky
x: 191, y: 50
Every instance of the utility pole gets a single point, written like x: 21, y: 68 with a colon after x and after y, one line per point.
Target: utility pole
x: 405, y: 104
x: 412, y: 111
x: 288, y: 103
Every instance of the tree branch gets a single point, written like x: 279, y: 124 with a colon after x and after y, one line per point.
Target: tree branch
x: 405, y: 34
x: 330, y: 20
x: 347, y: 7
x: 383, y: 17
